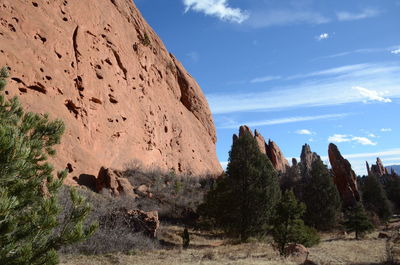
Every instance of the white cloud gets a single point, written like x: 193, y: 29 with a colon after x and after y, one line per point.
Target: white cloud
x: 322, y: 36
x: 282, y: 17
x: 366, y: 13
x: 339, y: 138
x: 386, y: 129
x: 315, y: 91
x: 217, y: 8
x: 304, y: 132
x: 371, y: 94
x: 363, y: 141
x: 264, y: 79
x: 342, y: 138
x: 372, y: 135
x: 397, y: 51
x: 231, y: 125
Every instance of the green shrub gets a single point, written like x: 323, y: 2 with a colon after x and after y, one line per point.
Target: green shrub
x: 30, y: 232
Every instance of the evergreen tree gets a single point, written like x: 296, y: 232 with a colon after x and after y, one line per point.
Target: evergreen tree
x: 374, y: 198
x: 321, y: 198
x: 392, y: 188
x: 357, y: 220
x: 288, y: 227
x: 243, y: 200
x: 30, y: 232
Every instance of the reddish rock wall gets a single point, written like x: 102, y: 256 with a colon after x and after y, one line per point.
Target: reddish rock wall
x: 98, y: 66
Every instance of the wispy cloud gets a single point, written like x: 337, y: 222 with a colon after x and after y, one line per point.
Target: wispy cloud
x: 322, y: 36
x: 349, y: 16
x: 397, y: 51
x: 217, y: 8
x: 391, y: 49
x: 342, y: 138
x: 265, y: 79
x: 372, y: 95
x: 304, y: 132
x: 282, y: 17
x: 386, y: 129
x: 315, y: 91
x: 194, y: 56
x: 260, y: 123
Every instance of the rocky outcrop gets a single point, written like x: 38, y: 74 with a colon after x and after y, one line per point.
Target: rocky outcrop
x: 112, y: 181
x: 136, y: 220
x: 271, y: 149
x: 121, y: 94
x: 276, y: 156
x: 344, y: 177
x: 378, y: 169
x: 307, y: 158
x: 296, y: 252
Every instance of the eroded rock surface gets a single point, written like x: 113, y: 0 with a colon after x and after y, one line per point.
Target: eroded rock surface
x: 307, y: 158
x: 344, y: 177
x: 99, y: 67
x: 378, y: 169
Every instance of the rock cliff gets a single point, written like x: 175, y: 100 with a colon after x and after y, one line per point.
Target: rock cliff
x: 98, y: 66
x: 344, y: 177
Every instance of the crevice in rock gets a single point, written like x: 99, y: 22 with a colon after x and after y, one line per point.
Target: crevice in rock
x: 38, y: 87
x: 72, y: 107
x: 119, y: 62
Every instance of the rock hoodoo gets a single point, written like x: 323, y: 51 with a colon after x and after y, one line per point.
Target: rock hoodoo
x: 307, y: 158
x: 271, y: 149
x: 111, y: 80
x: 344, y: 177
x: 378, y: 169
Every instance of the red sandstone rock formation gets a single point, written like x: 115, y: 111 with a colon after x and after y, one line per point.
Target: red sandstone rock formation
x: 276, y: 156
x: 307, y: 158
x: 113, y: 181
x: 378, y: 169
x: 271, y: 149
x: 98, y: 66
x: 344, y: 177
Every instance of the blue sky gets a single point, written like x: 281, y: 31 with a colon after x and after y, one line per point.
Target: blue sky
x: 298, y: 71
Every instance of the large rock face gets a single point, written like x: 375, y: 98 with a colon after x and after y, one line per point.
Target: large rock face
x: 98, y: 66
x: 344, y: 177
x: 271, y: 149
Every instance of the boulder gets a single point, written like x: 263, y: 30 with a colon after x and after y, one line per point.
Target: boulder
x: 136, y: 220
x: 112, y: 180
x: 110, y: 78
x: 297, y: 252
x: 343, y: 177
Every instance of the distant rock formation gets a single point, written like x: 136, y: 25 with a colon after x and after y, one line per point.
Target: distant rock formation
x: 378, y: 169
x: 344, y: 177
x: 99, y: 67
x: 271, y: 149
x: 307, y: 158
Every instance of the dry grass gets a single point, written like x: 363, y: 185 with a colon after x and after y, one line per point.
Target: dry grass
x: 210, y: 248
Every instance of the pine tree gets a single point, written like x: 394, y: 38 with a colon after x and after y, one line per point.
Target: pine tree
x: 357, y: 220
x: 243, y: 200
x: 288, y: 227
x: 374, y: 198
x: 30, y: 232
x: 321, y: 198
x: 392, y: 188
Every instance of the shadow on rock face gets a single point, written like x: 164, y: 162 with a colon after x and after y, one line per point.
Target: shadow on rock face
x: 87, y: 181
